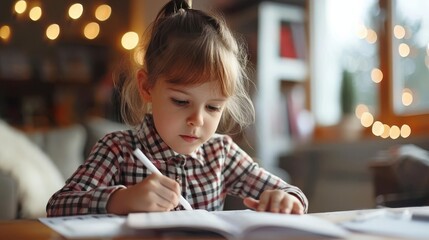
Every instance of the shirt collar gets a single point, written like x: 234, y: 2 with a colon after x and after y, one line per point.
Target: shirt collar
x: 156, y: 148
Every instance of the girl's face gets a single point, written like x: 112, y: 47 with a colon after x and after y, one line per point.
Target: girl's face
x: 186, y: 116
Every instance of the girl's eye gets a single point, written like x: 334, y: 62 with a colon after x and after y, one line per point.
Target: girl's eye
x: 179, y: 102
x: 214, y: 108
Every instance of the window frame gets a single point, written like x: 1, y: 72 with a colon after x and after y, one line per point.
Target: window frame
x: 417, y: 121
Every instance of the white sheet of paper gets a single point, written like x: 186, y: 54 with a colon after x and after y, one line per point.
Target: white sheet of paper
x: 84, y: 226
x: 394, y: 227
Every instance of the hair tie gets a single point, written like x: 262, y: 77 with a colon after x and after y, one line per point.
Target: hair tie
x: 181, y: 11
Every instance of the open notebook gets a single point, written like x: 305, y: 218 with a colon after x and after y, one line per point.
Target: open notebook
x: 243, y: 224
x: 235, y: 224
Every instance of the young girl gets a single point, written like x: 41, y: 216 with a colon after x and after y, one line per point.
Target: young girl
x: 191, y: 83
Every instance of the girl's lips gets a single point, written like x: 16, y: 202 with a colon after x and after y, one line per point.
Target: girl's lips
x: 189, y: 139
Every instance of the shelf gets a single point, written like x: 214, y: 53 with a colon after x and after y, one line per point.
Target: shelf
x: 291, y: 69
x: 15, y: 88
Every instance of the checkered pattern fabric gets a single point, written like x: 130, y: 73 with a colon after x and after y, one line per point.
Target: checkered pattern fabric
x: 217, y: 168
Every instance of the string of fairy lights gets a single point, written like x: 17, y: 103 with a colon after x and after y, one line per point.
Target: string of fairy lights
x: 91, y: 30
x: 362, y: 112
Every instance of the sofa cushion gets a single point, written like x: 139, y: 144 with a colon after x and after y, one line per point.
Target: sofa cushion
x: 65, y: 146
x: 36, y: 176
x: 98, y: 127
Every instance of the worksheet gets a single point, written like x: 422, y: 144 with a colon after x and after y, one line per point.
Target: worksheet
x: 87, y: 226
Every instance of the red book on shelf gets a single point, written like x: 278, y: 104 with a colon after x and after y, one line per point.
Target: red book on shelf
x: 287, y: 46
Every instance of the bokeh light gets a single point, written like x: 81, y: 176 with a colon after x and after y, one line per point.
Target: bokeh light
x: 35, y: 13
x: 360, y: 109
x: 404, y: 50
x: 376, y: 75
x: 130, y: 40
x: 75, y: 11
x: 366, y: 119
x: 5, y: 32
x: 103, y: 12
x: 53, y: 31
x: 394, y: 132
x: 386, y: 131
x: 20, y: 6
x: 407, y: 97
x: 399, y: 32
x: 91, y: 30
x: 377, y: 128
x: 405, y: 131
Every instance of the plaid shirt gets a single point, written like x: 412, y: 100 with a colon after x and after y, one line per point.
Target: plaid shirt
x: 217, y: 168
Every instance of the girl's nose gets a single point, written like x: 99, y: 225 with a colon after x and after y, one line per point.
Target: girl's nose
x: 196, y: 119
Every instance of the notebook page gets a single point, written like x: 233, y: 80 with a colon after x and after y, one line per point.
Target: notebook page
x: 195, y: 219
x: 252, y: 222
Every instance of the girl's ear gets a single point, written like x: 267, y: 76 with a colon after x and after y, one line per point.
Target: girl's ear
x: 143, y: 85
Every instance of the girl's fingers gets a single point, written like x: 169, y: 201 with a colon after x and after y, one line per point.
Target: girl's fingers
x: 264, y: 201
x: 297, y: 208
x: 291, y: 205
x: 169, y: 183
x: 286, y: 205
x: 276, y: 198
x: 166, y: 198
x: 164, y: 204
x: 251, y: 203
x: 168, y: 191
x: 276, y: 202
x: 160, y: 191
x: 158, y: 203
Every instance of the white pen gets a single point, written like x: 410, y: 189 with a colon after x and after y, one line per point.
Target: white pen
x: 139, y: 154
x: 364, y: 216
x: 405, y: 215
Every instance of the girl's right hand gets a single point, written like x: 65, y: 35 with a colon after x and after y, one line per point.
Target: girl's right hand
x: 156, y: 193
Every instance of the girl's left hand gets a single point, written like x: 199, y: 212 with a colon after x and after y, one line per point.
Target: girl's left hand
x: 276, y: 201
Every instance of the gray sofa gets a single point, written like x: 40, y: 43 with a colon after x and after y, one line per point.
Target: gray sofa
x: 26, y: 172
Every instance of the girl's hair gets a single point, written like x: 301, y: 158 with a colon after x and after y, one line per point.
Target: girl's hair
x: 189, y: 47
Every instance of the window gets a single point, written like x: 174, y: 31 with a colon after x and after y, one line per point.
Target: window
x: 410, y: 53
x: 344, y: 45
x: 370, y: 60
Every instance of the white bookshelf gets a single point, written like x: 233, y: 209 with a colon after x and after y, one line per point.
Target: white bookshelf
x: 260, y: 25
x: 271, y: 70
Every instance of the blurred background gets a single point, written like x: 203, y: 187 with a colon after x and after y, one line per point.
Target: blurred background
x: 338, y: 84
